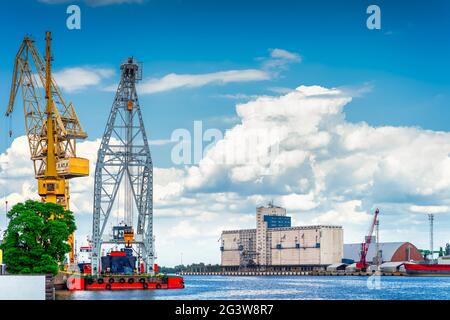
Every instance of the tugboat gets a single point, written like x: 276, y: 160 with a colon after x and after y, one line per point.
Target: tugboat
x: 121, y: 270
x: 84, y: 259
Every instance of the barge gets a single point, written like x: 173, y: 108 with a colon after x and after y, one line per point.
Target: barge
x: 80, y: 282
x: 121, y: 271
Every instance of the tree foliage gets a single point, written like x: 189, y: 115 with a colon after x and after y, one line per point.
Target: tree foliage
x: 36, y: 238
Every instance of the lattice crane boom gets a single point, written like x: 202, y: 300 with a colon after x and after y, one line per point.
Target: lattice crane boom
x: 124, y: 162
x: 52, y: 126
x: 362, y: 264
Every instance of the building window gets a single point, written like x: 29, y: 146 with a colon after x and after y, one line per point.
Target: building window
x: 279, y: 246
x: 297, y: 245
x: 317, y: 245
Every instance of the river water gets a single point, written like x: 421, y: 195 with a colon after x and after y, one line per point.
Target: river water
x: 284, y: 287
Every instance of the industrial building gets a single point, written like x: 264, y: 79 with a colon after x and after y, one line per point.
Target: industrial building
x: 388, y: 252
x: 276, y: 245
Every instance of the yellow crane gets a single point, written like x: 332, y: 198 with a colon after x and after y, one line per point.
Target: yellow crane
x: 52, y: 126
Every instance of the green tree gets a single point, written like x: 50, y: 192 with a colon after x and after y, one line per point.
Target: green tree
x: 36, y: 238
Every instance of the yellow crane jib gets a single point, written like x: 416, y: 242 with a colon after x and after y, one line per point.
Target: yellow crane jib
x: 51, y: 124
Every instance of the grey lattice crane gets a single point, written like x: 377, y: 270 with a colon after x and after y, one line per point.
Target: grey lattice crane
x: 124, y: 161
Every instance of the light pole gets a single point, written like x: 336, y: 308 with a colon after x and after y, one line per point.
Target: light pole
x: 431, y: 219
x: 377, y: 230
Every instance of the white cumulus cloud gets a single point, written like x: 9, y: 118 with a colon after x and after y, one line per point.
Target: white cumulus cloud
x: 175, y: 81
x: 284, y: 54
x: 309, y: 158
x: 79, y: 78
x: 280, y: 58
x: 269, y: 69
x: 430, y: 209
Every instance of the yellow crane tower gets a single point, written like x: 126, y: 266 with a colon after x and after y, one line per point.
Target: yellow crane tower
x: 52, y: 129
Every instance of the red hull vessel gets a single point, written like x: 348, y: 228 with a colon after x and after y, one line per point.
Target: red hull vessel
x: 424, y: 269
x: 115, y: 276
x: 79, y: 282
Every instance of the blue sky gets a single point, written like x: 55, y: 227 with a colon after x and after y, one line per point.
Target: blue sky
x: 406, y: 62
x: 397, y: 76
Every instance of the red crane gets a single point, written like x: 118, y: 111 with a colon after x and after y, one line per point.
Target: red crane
x: 362, y: 264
